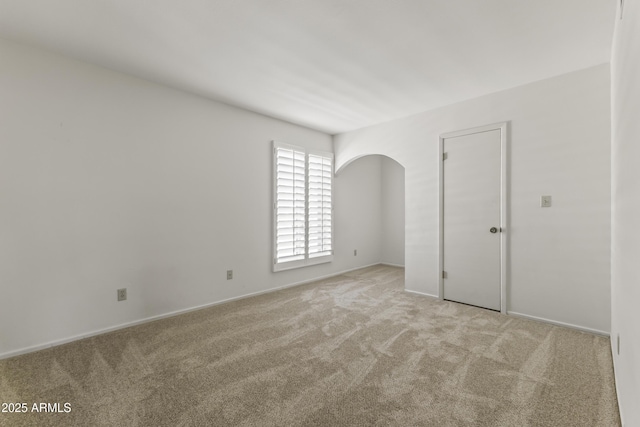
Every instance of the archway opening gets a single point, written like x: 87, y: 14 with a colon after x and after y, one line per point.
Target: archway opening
x: 384, y: 177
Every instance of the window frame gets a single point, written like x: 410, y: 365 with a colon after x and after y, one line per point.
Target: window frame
x: 307, y: 260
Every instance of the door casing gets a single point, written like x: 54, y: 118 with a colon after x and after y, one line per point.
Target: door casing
x: 504, y: 211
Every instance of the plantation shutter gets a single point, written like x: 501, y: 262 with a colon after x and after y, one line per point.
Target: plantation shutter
x: 290, y: 205
x: 319, y: 173
x: 302, y: 207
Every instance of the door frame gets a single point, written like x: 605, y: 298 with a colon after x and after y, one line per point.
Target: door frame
x: 503, y: 127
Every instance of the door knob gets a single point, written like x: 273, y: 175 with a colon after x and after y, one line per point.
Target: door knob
x: 493, y: 230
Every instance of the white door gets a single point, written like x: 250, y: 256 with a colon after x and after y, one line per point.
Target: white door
x: 471, y: 218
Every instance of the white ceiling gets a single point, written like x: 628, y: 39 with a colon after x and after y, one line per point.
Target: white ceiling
x: 331, y: 65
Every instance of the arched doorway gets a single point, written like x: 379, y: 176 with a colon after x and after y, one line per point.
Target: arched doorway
x: 381, y: 175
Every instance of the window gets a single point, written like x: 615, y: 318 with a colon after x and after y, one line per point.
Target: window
x: 302, y: 207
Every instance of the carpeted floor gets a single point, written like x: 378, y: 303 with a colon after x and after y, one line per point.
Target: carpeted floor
x: 353, y: 350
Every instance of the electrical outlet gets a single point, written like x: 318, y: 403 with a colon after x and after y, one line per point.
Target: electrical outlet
x: 355, y: 252
x: 122, y: 294
x: 545, y: 201
x: 229, y: 274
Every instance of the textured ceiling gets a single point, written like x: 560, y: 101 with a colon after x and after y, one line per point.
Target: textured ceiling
x: 332, y: 65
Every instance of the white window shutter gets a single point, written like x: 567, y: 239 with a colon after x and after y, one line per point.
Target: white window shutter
x: 319, y: 171
x: 290, y: 205
x: 302, y: 207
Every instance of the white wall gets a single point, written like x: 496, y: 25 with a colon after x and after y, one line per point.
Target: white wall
x: 108, y: 181
x: 392, y: 188
x: 358, y: 191
x: 625, y: 248
x: 560, y: 146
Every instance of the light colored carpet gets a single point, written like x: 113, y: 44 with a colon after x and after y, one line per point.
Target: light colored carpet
x: 353, y: 350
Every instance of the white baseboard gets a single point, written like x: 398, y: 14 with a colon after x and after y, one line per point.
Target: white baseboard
x: 422, y: 294
x: 56, y: 343
x: 614, y: 357
x: 529, y: 317
x: 392, y: 265
x: 555, y: 322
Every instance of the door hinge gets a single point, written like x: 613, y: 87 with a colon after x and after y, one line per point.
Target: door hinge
x: 444, y: 274
x: 445, y: 156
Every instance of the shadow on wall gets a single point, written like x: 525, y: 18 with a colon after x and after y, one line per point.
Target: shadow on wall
x: 385, y: 178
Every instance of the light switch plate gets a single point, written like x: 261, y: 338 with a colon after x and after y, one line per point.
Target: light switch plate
x: 545, y: 201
